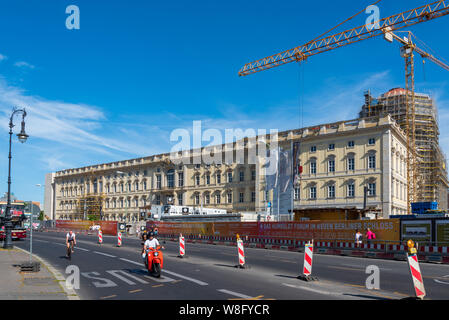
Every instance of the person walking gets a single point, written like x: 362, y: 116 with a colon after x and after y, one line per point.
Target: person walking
x: 358, y: 238
x: 370, y: 236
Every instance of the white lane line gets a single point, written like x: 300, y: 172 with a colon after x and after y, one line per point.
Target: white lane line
x: 105, y: 254
x: 81, y: 249
x: 201, y: 283
x: 41, y: 240
x: 236, y: 294
x: 115, y: 273
x: 130, y: 261
x: 328, y: 293
x: 162, y: 279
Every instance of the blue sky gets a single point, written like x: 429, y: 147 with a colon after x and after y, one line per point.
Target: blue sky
x: 136, y: 70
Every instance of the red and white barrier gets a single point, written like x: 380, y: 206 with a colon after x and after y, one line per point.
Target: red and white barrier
x: 182, y: 248
x: 308, y: 260
x: 415, y: 272
x: 100, y: 237
x: 241, y: 251
x: 119, y: 239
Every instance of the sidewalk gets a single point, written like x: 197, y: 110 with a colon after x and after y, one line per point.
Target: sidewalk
x: 46, y: 284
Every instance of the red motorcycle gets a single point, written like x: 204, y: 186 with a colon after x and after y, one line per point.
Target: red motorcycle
x: 154, y: 261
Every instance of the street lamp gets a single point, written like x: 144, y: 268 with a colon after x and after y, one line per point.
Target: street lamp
x: 22, y: 138
x: 31, y: 227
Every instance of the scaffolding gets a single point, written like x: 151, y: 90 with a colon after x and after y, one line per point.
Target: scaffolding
x: 430, y: 165
x: 89, y: 205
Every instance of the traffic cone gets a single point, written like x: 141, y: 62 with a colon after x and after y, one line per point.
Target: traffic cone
x: 308, y: 259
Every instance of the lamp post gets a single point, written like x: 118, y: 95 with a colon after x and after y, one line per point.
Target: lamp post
x: 22, y: 138
x: 31, y: 228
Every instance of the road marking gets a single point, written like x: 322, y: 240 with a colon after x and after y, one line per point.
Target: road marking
x: 312, y: 290
x: 40, y: 240
x: 114, y: 295
x: 81, y: 249
x: 130, y: 261
x: 201, y: 283
x: 105, y: 254
x: 107, y: 283
x: 115, y: 273
x: 236, y: 294
x: 158, y: 285
x: 134, y: 291
x: 162, y: 279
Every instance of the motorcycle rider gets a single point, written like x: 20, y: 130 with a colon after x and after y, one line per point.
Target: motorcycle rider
x: 151, y: 242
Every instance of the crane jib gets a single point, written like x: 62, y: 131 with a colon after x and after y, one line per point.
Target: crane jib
x: 411, y: 17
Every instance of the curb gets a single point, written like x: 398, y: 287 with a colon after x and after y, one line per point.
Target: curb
x: 71, y: 294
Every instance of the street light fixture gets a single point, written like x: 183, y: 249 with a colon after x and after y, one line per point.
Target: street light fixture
x: 22, y: 138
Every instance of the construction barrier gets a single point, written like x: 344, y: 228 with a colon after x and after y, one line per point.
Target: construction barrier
x: 415, y: 272
x: 119, y: 239
x: 241, y: 252
x: 308, y: 260
x: 181, y: 246
x: 100, y: 237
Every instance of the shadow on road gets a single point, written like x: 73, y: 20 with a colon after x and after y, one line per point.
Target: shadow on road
x: 284, y: 276
x: 365, y: 296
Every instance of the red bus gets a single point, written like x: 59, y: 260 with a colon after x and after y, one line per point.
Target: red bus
x: 17, y: 209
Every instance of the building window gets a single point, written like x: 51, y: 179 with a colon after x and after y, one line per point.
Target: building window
x: 313, y: 192
x: 197, y: 179
x: 241, y: 197
x: 253, y: 175
x: 197, y: 199
x: 253, y: 196
x: 297, y: 193
x: 331, y: 165
x: 129, y: 186
x: 207, y: 198
x: 108, y: 189
x: 145, y: 172
x: 158, y: 199
x: 171, y: 178
x: 158, y: 182
x: 208, y: 179
x: 229, y: 177
x: 115, y: 188
x: 331, y: 146
x: 372, y: 189
x: 218, y: 178
x: 136, y: 203
x: 145, y: 185
x: 242, y: 176
x: 331, y: 191
x: 217, y: 198
x: 372, y: 161
x: 197, y: 166
x: 351, y: 164
x: 351, y: 190
x: 180, y: 179
x: 313, y: 167
x: 313, y: 149
x: 351, y: 144
x: 180, y: 196
x: 229, y: 197
x: 371, y: 141
x: 137, y: 186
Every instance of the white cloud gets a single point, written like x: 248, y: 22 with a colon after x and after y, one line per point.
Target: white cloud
x: 3, y: 57
x: 24, y: 64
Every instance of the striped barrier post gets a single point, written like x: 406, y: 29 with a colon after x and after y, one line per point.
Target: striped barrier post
x: 182, y: 248
x: 241, y: 252
x: 100, y: 237
x: 119, y: 239
x: 308, y: 259
x: 415, y: 271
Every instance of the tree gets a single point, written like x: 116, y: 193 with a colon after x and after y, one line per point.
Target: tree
x: 41, y: 215
x: 91, y: 217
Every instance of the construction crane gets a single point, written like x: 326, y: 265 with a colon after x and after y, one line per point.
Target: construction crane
x: 407, y: 52
x: 386, y: 25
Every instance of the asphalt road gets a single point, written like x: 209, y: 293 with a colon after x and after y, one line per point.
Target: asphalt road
x: 208, y: 273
